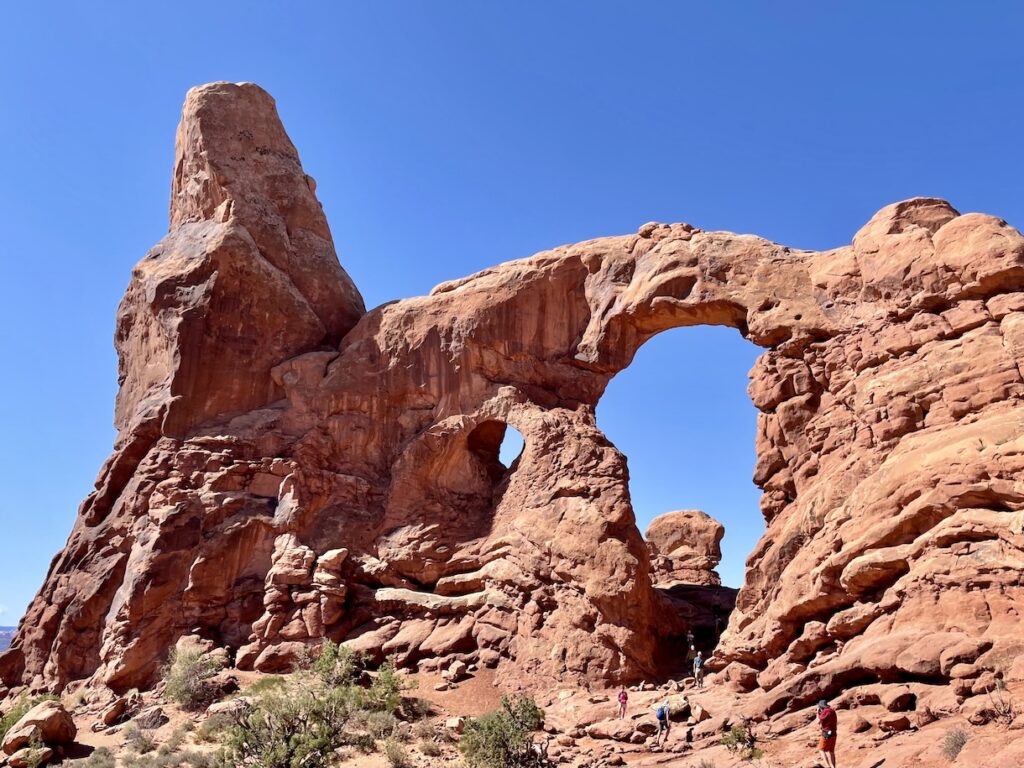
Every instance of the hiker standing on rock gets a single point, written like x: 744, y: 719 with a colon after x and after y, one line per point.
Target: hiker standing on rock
x: 623, y: 700
x: 829, y: 721
x: 698, y: 670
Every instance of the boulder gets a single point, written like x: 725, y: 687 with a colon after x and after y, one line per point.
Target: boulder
x: 685, y: 546
x: 898, y: 699
x: 30, y: 757
x: 48, y: 723
x: 893, y: 722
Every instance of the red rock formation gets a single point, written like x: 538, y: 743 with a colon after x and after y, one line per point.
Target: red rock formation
x: 268, y: 489
x: 685, y: 546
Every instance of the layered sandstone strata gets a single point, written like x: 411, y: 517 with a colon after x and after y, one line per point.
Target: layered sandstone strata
x: 289, y: 468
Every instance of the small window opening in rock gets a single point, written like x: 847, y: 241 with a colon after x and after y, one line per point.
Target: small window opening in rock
x: 511, y: 447
x: 498, y: 446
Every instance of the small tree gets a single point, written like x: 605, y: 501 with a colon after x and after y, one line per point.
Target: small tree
x: 294, y: 729
x: 186, y: 676
x: 338, y: 664
x: 385, y: 693
x: 502, y: 738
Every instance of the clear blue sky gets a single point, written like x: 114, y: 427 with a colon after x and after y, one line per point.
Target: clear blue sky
x: 450, y: 136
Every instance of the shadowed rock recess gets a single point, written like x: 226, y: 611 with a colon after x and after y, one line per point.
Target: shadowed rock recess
x: 290, y: 467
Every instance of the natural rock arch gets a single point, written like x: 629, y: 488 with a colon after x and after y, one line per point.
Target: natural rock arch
x: 330, y: 495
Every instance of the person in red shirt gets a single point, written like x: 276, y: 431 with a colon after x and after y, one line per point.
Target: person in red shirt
x: 828, y: 721
x: 623, y: 699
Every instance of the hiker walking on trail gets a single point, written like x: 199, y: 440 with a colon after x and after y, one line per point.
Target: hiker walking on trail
x: 623, y: 700
x: 663, y: 714
x: 828, y: 721
x: 698, y: 670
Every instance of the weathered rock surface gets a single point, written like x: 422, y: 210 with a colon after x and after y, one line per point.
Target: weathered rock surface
x: 47, y: 723
x: 685, y: 546
x: 281, y: 476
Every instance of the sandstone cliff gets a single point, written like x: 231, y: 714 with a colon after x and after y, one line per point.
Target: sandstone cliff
x: 290, y: 468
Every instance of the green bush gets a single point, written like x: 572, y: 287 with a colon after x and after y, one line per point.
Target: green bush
x: 741, y: 739
x: 171, y: 760
x: 100, y: 758
x: 502, y: 738
x: 36, y: 752
x: 138, y: 740
x: 303, y: 722
x: 338, y: 665
x: 396, y: 754
x: 212, y: 727
x: 293, y: 729
x: 266, y: 685
x: 381, y: 725
x: 424, y: 731
x: 385, y: 693
x: 415, y: 708
x: 953, y: 743
x: 429, y: 748
x: 186, y: 679
x: 173, y: 744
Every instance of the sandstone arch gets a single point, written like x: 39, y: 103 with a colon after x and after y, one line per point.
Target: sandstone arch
x: 333, y: 489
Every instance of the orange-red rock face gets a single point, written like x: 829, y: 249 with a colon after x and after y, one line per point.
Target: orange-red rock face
x: 685, y: 546
x: 272, y: 485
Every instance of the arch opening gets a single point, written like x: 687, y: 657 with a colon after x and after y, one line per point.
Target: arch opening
x: 681, y: 415
x: 497, y: 446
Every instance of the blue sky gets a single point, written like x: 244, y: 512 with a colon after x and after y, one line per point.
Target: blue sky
x: 450, y: 136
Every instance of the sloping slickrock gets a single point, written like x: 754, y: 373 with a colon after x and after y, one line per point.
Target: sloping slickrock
x: 889, y: 448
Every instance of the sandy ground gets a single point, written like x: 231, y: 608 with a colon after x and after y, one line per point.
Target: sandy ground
x: 918, y: 748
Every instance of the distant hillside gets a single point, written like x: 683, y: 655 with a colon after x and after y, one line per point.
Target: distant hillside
x: 6, y: 633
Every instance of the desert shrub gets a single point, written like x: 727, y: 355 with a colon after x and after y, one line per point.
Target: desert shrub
x: 19, y: 710
x: 385, y: 693
x: 502, y: 738
x: 100, y: 758
x: 1002, y: 707
x: 359, y: 720
x: 266, y: 685
x: 705, y: 763
x: 381, y: 724
x: 212, y: 727
x: 953, y: 743
x: 138, y: 740
x: 423, y: 731
x: 429, y: 748
x: 741, y: 739
x: 415, y: 708
x: 78, y: 698
x: 338, y: 665
x: 36, y: 752
x: 186, y: 679
x: 186, y: 759
x: 173, y: 744
x: 292, y: 729
x: 396, y: 754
